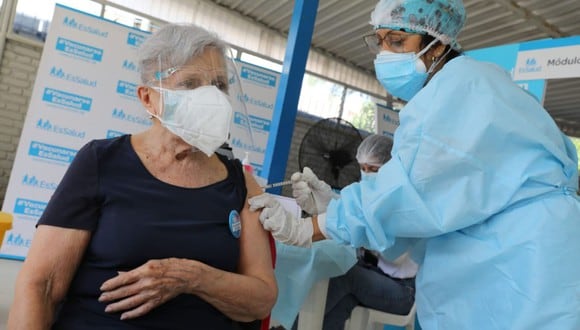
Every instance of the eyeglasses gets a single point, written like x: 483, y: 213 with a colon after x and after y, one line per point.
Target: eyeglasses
x: 192, y: 78
x: 393, y: 39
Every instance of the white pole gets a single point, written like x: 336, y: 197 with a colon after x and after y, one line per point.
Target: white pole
x: 7, y: 18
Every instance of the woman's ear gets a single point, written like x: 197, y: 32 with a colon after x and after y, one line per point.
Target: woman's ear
x: 439, y: 50
x: 144, y: 95
x: 434, y: 54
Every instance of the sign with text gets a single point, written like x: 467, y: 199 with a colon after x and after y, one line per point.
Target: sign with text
x: 259, y: 87
x: 84, y: 90
x: 549, y: 59
x: 387, y: 120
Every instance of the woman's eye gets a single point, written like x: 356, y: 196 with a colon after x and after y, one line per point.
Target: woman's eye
x: 190, y: 84
x: 221, y: 85
x: 396, y: 41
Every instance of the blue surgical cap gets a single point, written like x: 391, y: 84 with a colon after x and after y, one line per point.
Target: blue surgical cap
x: 442, y: 19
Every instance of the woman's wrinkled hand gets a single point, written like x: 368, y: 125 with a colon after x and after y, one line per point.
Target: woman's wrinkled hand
x: 137, y: 292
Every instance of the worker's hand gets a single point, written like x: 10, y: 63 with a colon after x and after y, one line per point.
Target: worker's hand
x: 312, y: 194
x: 282, y: 224
x: 136, y: 292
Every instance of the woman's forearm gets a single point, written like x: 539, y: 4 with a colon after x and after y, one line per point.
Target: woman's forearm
x: 31, y: 309
x: 240, y: 297
x: 44, y: 278
x: 317, y: 234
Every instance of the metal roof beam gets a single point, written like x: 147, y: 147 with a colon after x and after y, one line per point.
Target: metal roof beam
x: 266, y: 13
x: 236, y: 5
x: 252, y: 10
x: 534, y: 19
x: 336, y: 12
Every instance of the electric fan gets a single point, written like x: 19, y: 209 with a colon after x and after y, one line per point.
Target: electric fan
x: 329, y: 149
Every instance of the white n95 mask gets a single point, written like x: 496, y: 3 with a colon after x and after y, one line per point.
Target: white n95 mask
x: 200, y: 116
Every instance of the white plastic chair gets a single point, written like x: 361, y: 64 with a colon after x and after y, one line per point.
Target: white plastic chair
x: 311, y: 314
x: 362, y: 318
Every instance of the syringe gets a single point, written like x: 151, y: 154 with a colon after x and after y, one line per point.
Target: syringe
x: 277, y: 184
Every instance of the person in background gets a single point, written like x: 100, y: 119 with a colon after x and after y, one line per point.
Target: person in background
x: 373, y: 282
x: 479, y: 171
x: 152, y: 230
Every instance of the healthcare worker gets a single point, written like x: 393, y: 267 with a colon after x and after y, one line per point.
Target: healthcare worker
x: 478, y: 169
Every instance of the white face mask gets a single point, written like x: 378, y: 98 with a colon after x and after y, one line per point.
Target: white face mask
x: 200, y: 116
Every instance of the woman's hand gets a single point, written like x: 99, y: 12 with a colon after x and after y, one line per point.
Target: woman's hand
x: 137, y: 292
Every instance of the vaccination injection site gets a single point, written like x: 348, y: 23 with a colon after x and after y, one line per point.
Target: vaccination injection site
x: 289, y: 164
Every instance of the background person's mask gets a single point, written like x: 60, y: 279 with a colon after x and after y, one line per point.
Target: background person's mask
x: 200, y: 116
x: 368, y: 176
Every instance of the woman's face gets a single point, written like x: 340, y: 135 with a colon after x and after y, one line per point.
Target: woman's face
x: 399, y: 41
x: 403, y: 42
x: 369, y: 168
x: 209, y: 68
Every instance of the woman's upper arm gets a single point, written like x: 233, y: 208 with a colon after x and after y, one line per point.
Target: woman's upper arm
x: 255, y: 254
x: 53, y: 258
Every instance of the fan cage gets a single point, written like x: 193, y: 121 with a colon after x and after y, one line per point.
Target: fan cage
x: 329, y: 149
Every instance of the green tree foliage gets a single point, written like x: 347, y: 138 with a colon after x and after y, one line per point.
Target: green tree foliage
x: 365, y: 119
x: 576, y: 142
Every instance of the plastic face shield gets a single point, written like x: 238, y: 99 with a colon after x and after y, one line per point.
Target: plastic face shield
x: 211, y: 68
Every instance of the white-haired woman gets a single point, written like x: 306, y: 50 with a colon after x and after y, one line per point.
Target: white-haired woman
x: 152, y: 230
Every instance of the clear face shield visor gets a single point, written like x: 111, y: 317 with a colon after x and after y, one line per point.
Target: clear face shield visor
x: 203, y: 101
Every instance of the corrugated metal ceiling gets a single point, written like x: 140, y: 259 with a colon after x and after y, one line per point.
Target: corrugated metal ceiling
x: 340, y: 25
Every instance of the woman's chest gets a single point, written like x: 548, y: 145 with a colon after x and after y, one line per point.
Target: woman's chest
x: 139, y: 222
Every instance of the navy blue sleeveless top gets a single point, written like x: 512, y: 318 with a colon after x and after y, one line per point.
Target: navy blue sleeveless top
x: 135, y: 217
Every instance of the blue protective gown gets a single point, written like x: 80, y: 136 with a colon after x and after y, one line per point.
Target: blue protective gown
x: 483, y: 174
x: 298, y: 269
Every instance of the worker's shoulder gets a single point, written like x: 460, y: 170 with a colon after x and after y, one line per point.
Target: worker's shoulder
x: 467, y: 74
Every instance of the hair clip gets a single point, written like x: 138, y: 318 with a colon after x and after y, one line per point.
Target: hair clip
x: 159, y: 75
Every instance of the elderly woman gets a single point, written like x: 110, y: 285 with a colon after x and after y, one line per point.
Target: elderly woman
x: 152, y: 231
x: 478, y: 169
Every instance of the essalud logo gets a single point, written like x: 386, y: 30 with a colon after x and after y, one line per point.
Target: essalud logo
x: 46, y: 125
x: 120, y: 114
x: 531, y: 66
x: 531, y: 61
x: 130, y: 66
x: 32, y: 181
x: 72, y: 23
x: 61, y: 74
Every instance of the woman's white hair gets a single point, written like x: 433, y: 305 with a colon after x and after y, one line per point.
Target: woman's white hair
x: 173, y: 45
